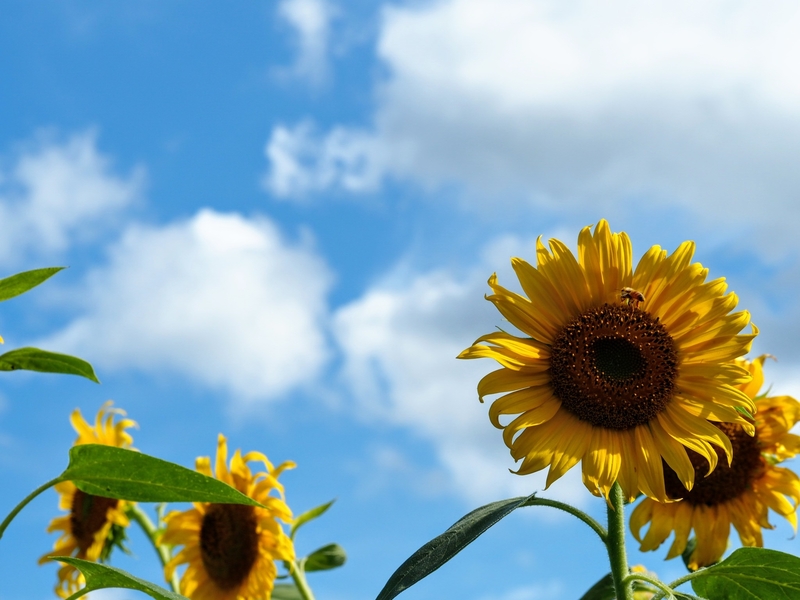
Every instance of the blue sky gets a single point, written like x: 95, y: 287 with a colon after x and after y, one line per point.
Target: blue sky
x: 279, y: 219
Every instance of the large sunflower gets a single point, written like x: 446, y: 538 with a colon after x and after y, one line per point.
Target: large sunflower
x: 739, y: 494
x: 94, y: 524
x: 231, y: 549
x: 617, y: 368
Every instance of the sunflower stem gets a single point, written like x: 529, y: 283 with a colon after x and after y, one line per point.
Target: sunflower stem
x: 680, y: 581
x: 299, y: 579
x: 596, y: 527
x: 664, y: 589
x: 25, y: 501
x: 151, y: 531
x: 616, y: 544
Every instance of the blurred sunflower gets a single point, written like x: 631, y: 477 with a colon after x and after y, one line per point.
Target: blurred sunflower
x: 230, y: 549
x: 739, y: 494
x: 94, y: 524
x: 621, y: 367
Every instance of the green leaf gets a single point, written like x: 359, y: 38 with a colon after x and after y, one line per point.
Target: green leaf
x: 751, y: 574
x: 327, y: 557
x: 22, y: 282
x: 99, y: 577
x: 114, y: 472
x: 286, y: 591
x: 309, y: 515
x: 33, y: 359
x: 602, y: 590
x: 442, y: 548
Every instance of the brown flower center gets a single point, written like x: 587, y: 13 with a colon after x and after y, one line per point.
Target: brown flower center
x: 725, y: 483
x: 87, y: 517
x: 614, y: 366
x: 229, y: 543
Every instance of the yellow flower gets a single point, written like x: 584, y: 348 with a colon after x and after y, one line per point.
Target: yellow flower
x: 94, y: 524
x: 621, y: 367
x: 739, y: 494
x: 231, y: 549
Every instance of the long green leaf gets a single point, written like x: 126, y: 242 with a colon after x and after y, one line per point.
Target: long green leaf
x: 99, y: 577
x: 43, y: 361
x: 327, y: 557
x: 442, y: 548
x: 22, y: 282
x: 128, y: 475
x: 309, y: 515
x: 751, y: 574
x: 602, y: 590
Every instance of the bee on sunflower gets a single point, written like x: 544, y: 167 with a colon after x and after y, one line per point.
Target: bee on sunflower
x: 617, y: 367
x: 230, y: 549
x: 740, y: 494
x: 94, y: 525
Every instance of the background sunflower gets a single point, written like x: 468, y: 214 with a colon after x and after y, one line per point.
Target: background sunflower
x: 230, y: 550
x: 93, y: 524
x: 740, y: 494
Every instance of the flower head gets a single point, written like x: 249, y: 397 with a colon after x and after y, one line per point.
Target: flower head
x: 94, y: 525
x: 230, y: 549
x: 618, y: 367
x: 739, y: 494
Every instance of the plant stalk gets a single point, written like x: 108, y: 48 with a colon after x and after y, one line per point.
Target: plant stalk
x: 615, y: 544
x: 596, y: 527
x: 25, y: 501
x: 299, y: 580
x: 151, y: 531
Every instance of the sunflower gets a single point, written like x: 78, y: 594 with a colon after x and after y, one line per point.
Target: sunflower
x: 94, y: 524
x: 739, y: 494
x: 618, y: 367
x: 231, y: 549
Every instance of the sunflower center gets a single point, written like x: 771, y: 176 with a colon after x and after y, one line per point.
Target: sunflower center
x: 726, y: 482
x: 229, y: 543
x: 618, y: 359
x: 614, y: 366
x: 87, y: 517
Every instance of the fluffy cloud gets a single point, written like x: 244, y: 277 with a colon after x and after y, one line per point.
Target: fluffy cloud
x: 219, y: 298
x: 58, y: 193
x: 311, y: 22
x: 400, y: 341
x: 574, y: 103
x: 302, y: 163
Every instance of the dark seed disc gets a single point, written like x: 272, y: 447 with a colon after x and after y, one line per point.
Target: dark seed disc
x: 614, y: 366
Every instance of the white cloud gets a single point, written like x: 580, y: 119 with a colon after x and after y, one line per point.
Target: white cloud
x: 56, y: 194
x: 311, y: 22
x: 219, y: 298
x: 400, y: 341
x: 575, y: 103
x: 302, y: 163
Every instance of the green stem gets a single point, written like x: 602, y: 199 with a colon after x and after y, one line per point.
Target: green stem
x: 27, y: 499
x: 616, y: 543
x: 596, y: 527
x: 150, y: 530
x: 654, y: 582
x: 678, y: 582
x: 81, y: 592
x: 299, y: 580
